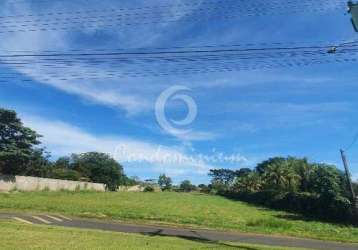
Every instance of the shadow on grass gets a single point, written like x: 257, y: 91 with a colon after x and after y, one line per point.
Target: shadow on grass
x: 295, y: 215
x: 198, y: 238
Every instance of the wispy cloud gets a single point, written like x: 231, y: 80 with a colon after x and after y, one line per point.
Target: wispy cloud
x: 131, y: 95
x: 63, y: 139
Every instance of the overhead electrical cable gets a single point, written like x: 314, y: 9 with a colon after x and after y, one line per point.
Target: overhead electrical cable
x: 64, y: 21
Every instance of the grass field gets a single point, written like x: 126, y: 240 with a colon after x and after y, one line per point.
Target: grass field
x: 176, y: 208
x: 20, y: 236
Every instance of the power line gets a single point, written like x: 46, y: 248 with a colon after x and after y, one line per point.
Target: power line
x: 154, y: 16
x: 336, y: 43
x: 257, y: 5
x: 185, y: 59
x: 354, y: 141
x: 191, y: 69
x: 179, y: 52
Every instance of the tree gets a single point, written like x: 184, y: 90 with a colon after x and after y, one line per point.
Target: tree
x: 297, y: 185
x: 248, y: 183
x: 130, y: 181
x: 204, y: 188
x: 63, y: 162
x: 281, y: 175
x: 18, y: 152
x: 275, y: 176
x: 65, y: 174
x: 186, y: 186
x: 304, y: 170
x: 355, y: 187
x: 242, y: 172
x: 261, y: 167
x: 328, y: 181
x: 165, y: 182
x: 39, y: 164
x: 99, y: 167
x: 223, y: 177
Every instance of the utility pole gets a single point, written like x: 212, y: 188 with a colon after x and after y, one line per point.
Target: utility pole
x: 348, y: 175
x: 353, y: 10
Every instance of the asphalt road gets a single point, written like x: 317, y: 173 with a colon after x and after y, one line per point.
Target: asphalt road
x: 193, y: 234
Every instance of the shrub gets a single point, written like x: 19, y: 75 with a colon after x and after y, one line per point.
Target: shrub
x: 186, y: 186
x: 148, y: 189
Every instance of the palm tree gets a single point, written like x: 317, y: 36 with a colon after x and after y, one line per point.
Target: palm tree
x: 248, y: 184
x: 292, y: 179
x: 282, y: 176
x: 274, y: 176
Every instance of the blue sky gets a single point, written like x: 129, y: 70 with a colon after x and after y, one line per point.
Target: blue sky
x: 245, y: 116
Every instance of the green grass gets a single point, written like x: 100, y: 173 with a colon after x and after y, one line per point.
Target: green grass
x: 177, y: 208
x: 20, y: 236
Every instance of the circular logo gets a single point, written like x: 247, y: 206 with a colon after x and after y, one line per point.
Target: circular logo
x: 173, y: 126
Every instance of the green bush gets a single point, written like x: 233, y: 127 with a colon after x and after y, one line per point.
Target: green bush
x: 65, y: 174
x: 148, y: 189
x: 313, y: 189
x: 335, y: 208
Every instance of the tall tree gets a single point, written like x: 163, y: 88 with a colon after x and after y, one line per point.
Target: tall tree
x: 186, y: 186
x: 224, y: 177
x: 17, y: 145
x: 248, y: 183
x: 261, y: 167
x: 328, y: 181
x: 165, y: 182
x: 99, y: 167
x: 275, y: 176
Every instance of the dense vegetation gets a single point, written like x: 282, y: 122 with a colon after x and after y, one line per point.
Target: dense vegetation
x: 289, y: 183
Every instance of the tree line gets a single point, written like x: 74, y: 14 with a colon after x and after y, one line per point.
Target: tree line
x: 294, y: 184
x: 21, y: 154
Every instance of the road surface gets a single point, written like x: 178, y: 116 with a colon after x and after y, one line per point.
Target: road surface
x: 194, y: 234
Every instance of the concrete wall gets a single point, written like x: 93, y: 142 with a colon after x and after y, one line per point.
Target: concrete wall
x: 28, y: 184
x: 137, y: 188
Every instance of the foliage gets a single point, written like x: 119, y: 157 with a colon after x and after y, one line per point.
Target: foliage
x: 98, y: 167
x: 19, y: 155
x: 222, y: 177
x: 65, y: 174
x: 165, y: 182
x: 293, y: 184
x: 129, y: 181
x: 204, y: 188
x: 186, y: 186
x: 249, y: 183
x: 18, y: 152
x: 149, y: 189
x: 355, y: 187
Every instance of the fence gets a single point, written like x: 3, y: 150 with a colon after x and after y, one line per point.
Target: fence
x: 28, y: 184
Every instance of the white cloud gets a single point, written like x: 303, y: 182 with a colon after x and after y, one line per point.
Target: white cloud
x: 100, y: 92
x: 63, y: 139
x: 197, y: 136
x: 131, y: 95
x: 105, y: 91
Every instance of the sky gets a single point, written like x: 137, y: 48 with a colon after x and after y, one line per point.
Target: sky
x: 234, y: 119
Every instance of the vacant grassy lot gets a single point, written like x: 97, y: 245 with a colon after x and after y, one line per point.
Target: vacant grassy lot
x: 176, y: 208
x: 20, y: 236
